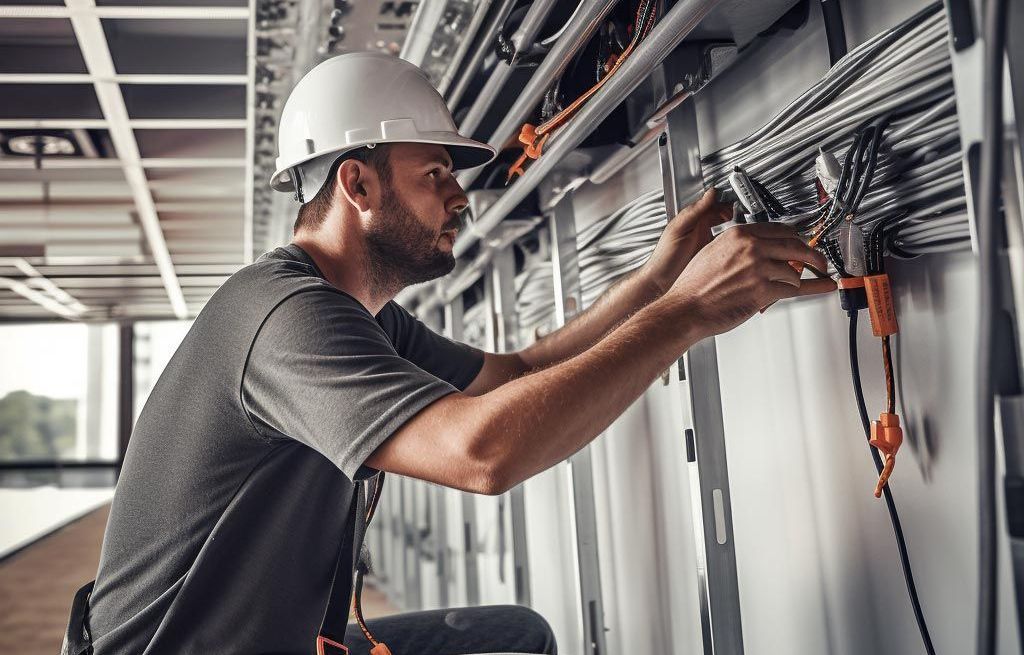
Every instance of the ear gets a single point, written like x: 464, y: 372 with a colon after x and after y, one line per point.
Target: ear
x: 357, y: 183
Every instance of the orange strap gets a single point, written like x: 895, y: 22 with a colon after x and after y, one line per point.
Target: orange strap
x: 533, y: 137
x: 378, y: 647
x: 322, y: 642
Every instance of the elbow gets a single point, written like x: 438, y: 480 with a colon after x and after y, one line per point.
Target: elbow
x: 489, y: 463
x: 491, y: 484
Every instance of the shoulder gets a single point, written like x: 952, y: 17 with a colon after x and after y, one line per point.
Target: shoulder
x: 321, y: 319
x: 322, y: 303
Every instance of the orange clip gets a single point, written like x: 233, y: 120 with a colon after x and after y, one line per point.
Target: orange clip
x: 516, y: 168
x: 380, y: 649
x: 533, y: 148
x: 880, y: 305
x: 886, y: 436
x: 532, y: 145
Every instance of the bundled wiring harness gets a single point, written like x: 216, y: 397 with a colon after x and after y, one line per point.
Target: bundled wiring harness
x: 897, y: 85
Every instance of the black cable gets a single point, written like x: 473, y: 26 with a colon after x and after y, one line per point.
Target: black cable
x: 994, y: 40
x: 835, y: 33
x: 890, y: 504
x: 878, y: 126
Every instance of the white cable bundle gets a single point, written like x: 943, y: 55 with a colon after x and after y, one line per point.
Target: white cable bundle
x: 917, y: 190
x: 474, y: 321
x: 608, y: 249
x: 535, y: 292
x: 619, y: 243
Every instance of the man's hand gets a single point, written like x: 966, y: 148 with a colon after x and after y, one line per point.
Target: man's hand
x: 684, y: 236
x: 743, y: 270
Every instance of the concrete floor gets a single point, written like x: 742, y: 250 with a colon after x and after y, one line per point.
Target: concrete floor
x: 38, y: 583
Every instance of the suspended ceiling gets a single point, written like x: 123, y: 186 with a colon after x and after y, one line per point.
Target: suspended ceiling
x: 149, y: 210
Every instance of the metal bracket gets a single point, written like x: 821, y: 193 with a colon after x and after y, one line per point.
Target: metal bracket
x: 505, y: 327
x: 453, y: 324
x: 568, y: 302
x: 718, y: 590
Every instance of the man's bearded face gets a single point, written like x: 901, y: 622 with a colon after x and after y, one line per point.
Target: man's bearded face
x: 403, y: 249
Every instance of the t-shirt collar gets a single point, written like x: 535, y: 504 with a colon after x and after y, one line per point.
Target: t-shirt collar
x: 301, y: 255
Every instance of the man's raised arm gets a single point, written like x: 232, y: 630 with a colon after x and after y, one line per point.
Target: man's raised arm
x: 491, y: 442
x: 683, y: 237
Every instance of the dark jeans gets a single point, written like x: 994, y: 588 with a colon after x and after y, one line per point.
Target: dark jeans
x: 459, y: 631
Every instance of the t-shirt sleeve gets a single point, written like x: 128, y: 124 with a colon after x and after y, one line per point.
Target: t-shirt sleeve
x: 454, y: 362
x: 323, y: 371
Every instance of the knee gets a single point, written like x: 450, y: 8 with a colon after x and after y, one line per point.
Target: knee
x: 536, y: 631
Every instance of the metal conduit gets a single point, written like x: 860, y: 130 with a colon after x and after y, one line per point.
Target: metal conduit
x: 524, y: 37
x: 467, y: 40
x: 575, y: 37
x: 667, y: 34
x: 485, y: 46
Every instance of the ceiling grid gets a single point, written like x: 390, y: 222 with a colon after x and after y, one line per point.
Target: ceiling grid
x: 137, y: 199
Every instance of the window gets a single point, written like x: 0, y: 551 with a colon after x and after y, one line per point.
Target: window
x: 58, y: 392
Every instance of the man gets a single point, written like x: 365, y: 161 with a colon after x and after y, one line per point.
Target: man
x: 238, y: 514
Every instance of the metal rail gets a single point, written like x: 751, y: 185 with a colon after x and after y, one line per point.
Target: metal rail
x: 479, y: 14
x: 453, y: 324
x: 718, y: 587
x: 503, y: 312
x: 568, y: 302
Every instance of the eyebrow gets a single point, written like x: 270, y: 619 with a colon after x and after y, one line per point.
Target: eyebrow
x: 444, y: 160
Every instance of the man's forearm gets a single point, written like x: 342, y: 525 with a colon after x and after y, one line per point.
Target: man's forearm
x: 538, y: 420
x: 626, y: 297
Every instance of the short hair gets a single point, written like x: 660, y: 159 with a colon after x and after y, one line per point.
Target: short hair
x: 312, y: 213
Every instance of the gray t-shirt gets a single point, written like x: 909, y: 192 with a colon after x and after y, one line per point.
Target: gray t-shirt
x: 236, y: 489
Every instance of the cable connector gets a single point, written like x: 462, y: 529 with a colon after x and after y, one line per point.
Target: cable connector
x: 748, y: 195
x: 887, y: 437
x: 880, y: 305
x: 828, y: 170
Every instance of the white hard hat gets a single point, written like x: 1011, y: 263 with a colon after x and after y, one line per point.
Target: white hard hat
x: 362, y: 99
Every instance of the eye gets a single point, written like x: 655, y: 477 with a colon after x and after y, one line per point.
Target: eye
x: 434, y: 173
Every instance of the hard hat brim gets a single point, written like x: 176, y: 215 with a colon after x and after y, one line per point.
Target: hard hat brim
x: 465, y: 153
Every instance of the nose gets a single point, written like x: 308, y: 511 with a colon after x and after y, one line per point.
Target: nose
x: 457, y: 201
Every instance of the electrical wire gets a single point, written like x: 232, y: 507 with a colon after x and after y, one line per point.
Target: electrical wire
x: 548, y: 40
x: 890, y: 503
x: 835, y: 33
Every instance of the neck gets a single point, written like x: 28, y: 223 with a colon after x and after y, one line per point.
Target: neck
x: 345, y: 264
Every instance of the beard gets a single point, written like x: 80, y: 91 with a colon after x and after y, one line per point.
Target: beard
x: 401, y: 251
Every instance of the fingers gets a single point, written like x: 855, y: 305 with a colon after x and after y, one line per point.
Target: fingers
x: 792, y: 250
x: 707, y: 210
x: 772, y: 230
x: 776, y: 271
x: 810, y: 287
x: 816, y: 286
